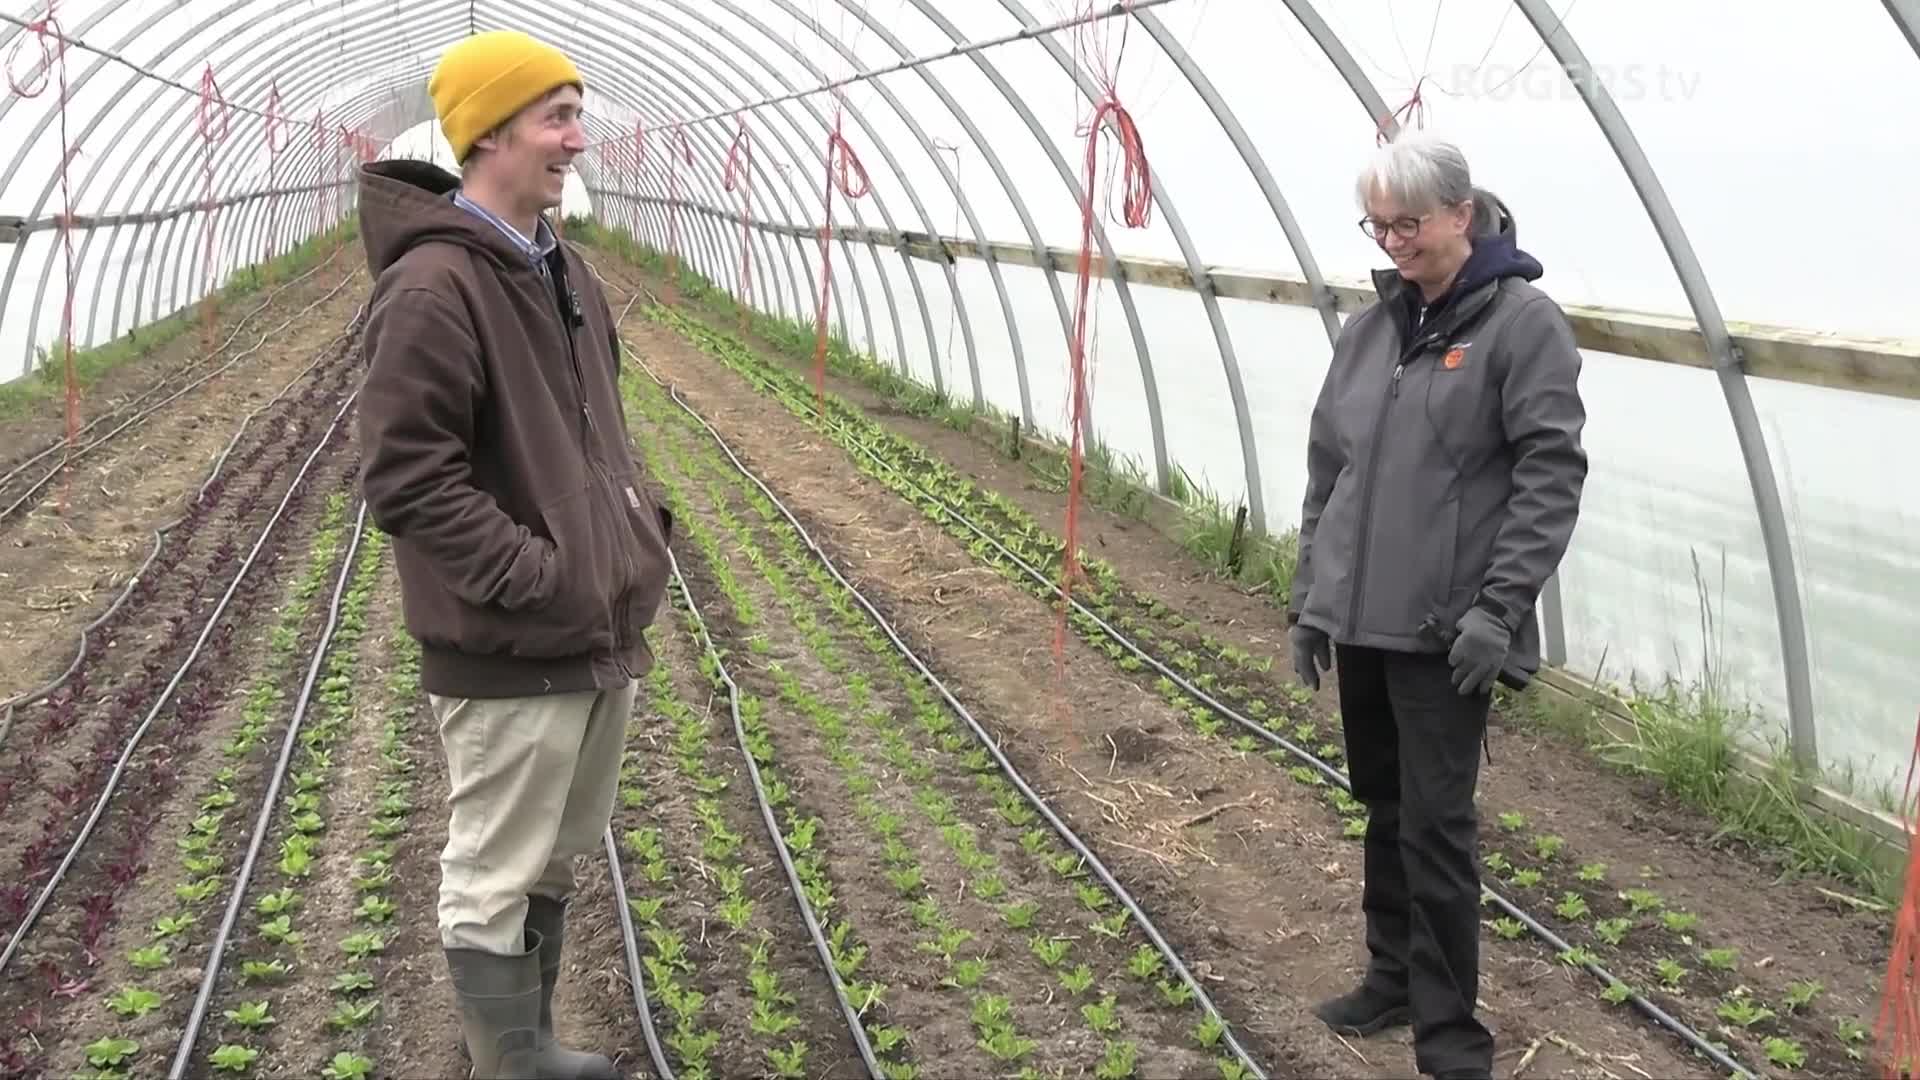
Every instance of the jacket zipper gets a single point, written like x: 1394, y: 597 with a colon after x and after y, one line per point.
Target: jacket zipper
x: 587, y: 434
x: 1358, y: 590
x: 1458, y: 314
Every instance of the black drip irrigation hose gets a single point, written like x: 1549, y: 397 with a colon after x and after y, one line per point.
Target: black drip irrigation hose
x: 82, y: 451
x: 1647, y: 1008
x: 847, y: 1011
x: 1060, y: 827
x: 57, y: 444
x: 28, y: 697
x: 210, y: 974
x: 213, y: 619
x: 635, y: 969
x: 338, y: 346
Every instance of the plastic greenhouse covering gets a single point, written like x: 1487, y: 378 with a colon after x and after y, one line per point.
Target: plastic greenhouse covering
x: 1715, y: 194
x: 916, y: 702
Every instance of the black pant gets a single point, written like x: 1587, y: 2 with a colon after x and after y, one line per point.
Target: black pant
x: 1413, y: 754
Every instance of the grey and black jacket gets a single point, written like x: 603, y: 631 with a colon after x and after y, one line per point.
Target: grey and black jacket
x: 1444, y: 462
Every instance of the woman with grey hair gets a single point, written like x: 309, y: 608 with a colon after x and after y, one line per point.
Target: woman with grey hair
x: 1444, y: 473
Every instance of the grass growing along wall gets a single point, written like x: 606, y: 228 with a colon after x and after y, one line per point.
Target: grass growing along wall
x: 47, y: 381
x: 1707, y: 748
x: 1692, y: 737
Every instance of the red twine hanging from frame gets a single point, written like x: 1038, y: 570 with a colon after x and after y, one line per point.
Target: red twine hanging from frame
x: 843, y: 166
x: 739, y: 174
x: 639, y: 161
x: 1897, y: 1030
x: 1135, y: 212
x: 319, y: 155
x: 673, y: 195
x: 47, y: 34
x: 277, y: 139
x: 342, y: 150
x: 214, y: 119
x: 1413, y: 110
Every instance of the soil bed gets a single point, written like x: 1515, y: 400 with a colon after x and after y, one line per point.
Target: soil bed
x: 62, y: 569
x: 1789, y: 936
x: 1218, y: 900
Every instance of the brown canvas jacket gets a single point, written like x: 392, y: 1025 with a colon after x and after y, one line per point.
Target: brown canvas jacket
x: 495, y: 452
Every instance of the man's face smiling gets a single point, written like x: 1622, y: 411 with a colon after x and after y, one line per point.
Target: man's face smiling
x: 536, y: 150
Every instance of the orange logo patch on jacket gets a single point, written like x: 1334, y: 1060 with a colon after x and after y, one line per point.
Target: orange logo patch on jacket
x: 1456, y: 355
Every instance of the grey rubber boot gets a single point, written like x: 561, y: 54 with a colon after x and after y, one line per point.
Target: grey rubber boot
x: 498, y: 1002
x: 546, y: 932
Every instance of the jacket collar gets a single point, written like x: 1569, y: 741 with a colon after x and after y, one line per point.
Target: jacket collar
x: 537, y: 249
x: 404, y: 204
x: 1496, y: 256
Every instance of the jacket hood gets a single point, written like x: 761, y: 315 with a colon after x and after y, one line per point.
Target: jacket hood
x: 405, y: 203
x: 1496, y: 255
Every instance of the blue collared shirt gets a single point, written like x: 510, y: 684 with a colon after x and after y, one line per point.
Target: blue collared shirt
x: 536, y: 250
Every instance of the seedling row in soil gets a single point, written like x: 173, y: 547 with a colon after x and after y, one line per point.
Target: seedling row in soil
x: 283, y: 928
x: 1788, y: 1037
x: 152, y: 1001
x: 1017, y: 889
x: 90, y: 722
x: 685, y: 809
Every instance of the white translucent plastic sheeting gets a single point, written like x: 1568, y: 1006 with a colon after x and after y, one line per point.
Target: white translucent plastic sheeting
x: 1769, y: 130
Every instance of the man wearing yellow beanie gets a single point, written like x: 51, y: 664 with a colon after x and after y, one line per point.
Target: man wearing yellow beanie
x: 530, y: 552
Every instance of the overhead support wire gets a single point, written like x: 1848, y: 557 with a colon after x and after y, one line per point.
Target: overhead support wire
x: 148, y: 73
x: 880, y: 146
x: 164, y: 182
x: 697, y: 50
x: 669, y: 89
x: 1028, y: 33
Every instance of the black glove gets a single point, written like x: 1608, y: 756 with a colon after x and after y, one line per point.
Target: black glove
x: 1310, y: 646
x: 1479, y: 652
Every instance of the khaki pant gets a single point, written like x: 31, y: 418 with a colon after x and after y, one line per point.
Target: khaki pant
x: 531, y: 782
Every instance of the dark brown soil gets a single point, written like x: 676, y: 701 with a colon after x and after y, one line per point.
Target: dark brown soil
x: 1253, y: 892
x: 158, y: 371
x: 71, y: 736
x: 61, y: 569
x: 57, y: 752
x: 914, y: 999
x: 155, y: 897
x: 1785, y: 929
x: 341, y: 751
x: 691, y: 900
x: 1604, y: 816
x: 785, y: 669
x: 414, y: 1032
x: 172, y: 757
x: 1025, y: 875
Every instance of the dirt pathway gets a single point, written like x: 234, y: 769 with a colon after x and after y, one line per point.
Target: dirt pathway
x: 1267, y: 887
x: 60, y: 570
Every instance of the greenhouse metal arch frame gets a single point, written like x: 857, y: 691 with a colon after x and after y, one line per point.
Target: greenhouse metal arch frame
x: 385, y: 110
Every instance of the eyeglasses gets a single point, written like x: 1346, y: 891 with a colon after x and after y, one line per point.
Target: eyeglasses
x: 1406, y: 227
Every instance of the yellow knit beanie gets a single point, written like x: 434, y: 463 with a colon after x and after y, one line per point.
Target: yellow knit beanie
x: 483, y: 80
